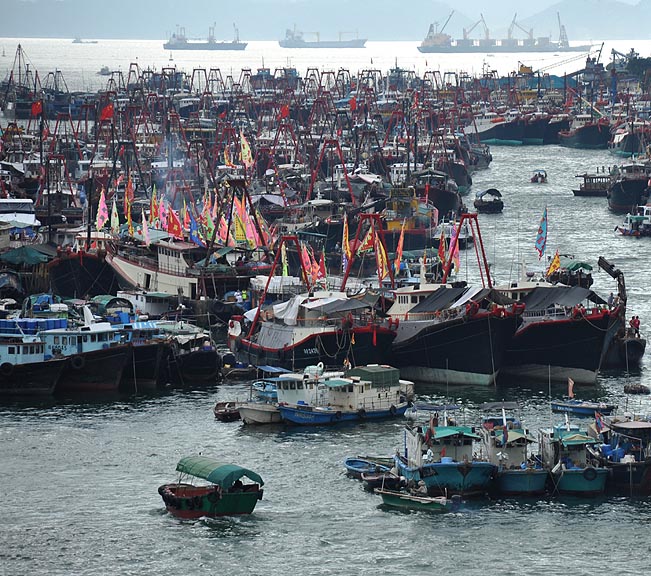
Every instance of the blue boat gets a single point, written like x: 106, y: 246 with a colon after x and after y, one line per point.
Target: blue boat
x: 506, y: 443
x: 442, y: 457
x: 355, y: 467
x: 572, y: 467
x: 315, y: 398
x: 583, y: 407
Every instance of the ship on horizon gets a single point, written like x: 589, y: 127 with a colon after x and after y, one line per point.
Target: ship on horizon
x: 437, y: 41
x: 179, y: 41
x: 294, y: 39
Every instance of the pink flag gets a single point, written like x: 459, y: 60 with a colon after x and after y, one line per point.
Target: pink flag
x: 145, y: 229
x: 102, y: 211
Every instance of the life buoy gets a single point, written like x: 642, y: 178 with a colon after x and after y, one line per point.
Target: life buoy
x: 393, y: 410
x: 320, y: 366
x: 6, y: 368
x: 77, y: 362
x: 214, y: 497
x: 518, y: 308
x: 590, y: 474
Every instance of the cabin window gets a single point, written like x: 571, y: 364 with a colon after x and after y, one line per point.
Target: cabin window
x: 193, y: 291
x: 11, y: 350
x: 93, y: 338
x: 299, y: 386
x: 64, y: 340
x: 25, y: 350
x: 56, y: 340
x: 414, y: 299
x: 147, y: 281
x: 292, y: 386
x: 85, y: 338
x: 73, y: 340
x: 32, y: 349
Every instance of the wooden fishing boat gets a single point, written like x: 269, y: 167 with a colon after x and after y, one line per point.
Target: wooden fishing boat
x: 226, y: 411
x: 582, y: 407
x: 355, y: 467
x: 224, y: 495
x: 411, y: 501
x: 489, y: 201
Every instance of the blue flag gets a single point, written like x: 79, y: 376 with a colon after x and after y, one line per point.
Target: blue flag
x: 194, y: 232
x: 541, y: 239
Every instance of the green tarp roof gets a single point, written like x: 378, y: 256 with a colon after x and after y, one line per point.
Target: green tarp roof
x: 447, y: 431
x: 577, y: 439
x: 24, y: 255
x: 224, y: 475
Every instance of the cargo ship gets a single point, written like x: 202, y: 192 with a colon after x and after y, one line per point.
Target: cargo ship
x: 437, y: 41
x: 294, y: 39
x: 179, y: 41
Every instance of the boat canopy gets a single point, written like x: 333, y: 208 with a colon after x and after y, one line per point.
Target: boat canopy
x: 574, y: 265
x: 224, y: 475
x: 448, y: 431
x: 515, y: 435
x: 438, y: 300
x: 577, y: 439
x: 494, y: 406
x: 542, y: 297
x: 490, y: 192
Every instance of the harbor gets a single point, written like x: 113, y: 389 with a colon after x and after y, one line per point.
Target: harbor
x: 91, y: 458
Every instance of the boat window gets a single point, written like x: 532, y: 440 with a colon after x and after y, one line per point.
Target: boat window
x: 299, y: 386
x: 414, y: 299
x: 93, y: 338
x: 85, y: 338
x: 56, y: 339
x: 11, y: 350
x: 25, y: 350
x: 292, y: 385
x: 32, y: 349
x: 349, y: 388
x: 64, y: 340
x: 73, y: 340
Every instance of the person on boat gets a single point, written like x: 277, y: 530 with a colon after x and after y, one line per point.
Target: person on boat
x: 635, y: 324
x: 611, y: 300
x: 422, y: 489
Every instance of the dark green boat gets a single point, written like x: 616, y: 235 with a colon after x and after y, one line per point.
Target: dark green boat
x: 225, y: 495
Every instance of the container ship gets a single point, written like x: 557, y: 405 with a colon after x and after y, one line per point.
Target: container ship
x: 294, y: 39
x: 438, y: 41
x: 179, y: 41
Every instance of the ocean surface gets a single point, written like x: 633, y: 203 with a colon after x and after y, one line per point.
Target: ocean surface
x: 80, y: 476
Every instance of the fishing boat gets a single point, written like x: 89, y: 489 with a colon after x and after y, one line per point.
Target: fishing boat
x: 224, y: 494
x: 506, y: 442
x: 629, y: 185
x: 489, y: 201
x: 573, y: 469
x: 624, y: 452
x: 443, y: 458
x: 586, y: 132
x: 413, y: 501
x: 363, y: 393
x: 638, y: 224
x: 24, y: 371
x: 539, y: 176
x: 227, y: 411
x: 593, y: 185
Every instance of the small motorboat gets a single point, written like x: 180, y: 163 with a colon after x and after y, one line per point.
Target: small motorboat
x: 224, y: 494
x: 539, y: 176
x: 226, y: 411
x: 489, y: 201
x: 415, y: 501
x: 583, y: 407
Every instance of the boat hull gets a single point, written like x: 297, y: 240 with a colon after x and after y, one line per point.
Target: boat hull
x: 581, y: 482
x: 253, y: 413
x: 395, y: 499
x: 527, y: 482
x: 82, y: 275
x: 192, y: 502
x: 142, y: 370
x: 371, y: 346
x: 454, y: 478
x: 438, y: 352
x: 632, y: 478
x: 319, y: 416
x: 31, y: 379
x: 625, y: 195
x: 95, y: 371
x: 589, y: 137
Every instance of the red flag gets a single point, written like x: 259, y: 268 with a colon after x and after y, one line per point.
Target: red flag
x: 128, y: 195
x: 222, y: 115
x: 37, y: 108
x: 284, y: 111
x: 353, y: 104
x: 174, y: 224
x: 107, y: 112
x: 322, y: 267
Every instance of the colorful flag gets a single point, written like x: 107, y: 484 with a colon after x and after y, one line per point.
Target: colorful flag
x: 345, y: 243
x: 162, y: 214
x: 37, y: 108
x: 174, y: 227
x: 443, y: 249
x: 284, y: 111
x: 368, y: 242
x: 283, y: 257
x: 115, y: 220
x: 353, y: 104
x: 322, y: 267
x: 541, y: 238
x: 380, y: 258
x: 145, y: 229
x: 102, y: 211
x: 599, y: 421
x: 245, y: 151
x: 194, y: 231
x: 129, y: 220
x: 570, y: 388
x: 128, y: 195
x: 554, y: 265
x: 153, y: 205
x: 454, y: 247
x: 401, y: 242
x: 107, y: 112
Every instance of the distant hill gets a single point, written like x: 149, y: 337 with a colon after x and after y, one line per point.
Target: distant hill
x: 268, y: 19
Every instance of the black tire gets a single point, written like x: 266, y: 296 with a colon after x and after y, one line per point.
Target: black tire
x: 6, y: 368
x: 78, y: 362
x: 590, y: 474
x: 213, y: 497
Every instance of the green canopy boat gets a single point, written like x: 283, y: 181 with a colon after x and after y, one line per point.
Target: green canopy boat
x: 224, y: 495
